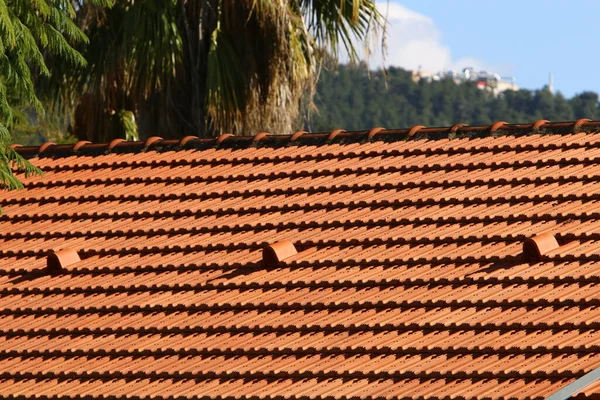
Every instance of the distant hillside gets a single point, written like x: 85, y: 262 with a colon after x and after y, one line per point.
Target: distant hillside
x: 352, y: 99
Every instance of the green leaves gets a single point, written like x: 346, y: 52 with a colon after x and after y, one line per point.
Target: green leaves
x: 340, y: 23
x: 30, y: 31
x: 128, y: 125
x: 11, y: 161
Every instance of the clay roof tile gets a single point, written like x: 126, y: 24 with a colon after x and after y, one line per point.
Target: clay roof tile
x: 373, y: 264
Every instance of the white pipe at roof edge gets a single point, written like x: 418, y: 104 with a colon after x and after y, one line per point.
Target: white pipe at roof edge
x: 575, y: 387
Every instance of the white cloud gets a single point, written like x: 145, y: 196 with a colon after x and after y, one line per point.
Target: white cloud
x: 414, y: 41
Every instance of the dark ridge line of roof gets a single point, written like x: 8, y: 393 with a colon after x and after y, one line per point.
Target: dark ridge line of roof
x: 340, y: 136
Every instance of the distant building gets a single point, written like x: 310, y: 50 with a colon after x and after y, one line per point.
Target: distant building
x: 483, y: 79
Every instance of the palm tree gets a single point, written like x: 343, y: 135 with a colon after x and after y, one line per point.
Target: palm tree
x: 201, y: 67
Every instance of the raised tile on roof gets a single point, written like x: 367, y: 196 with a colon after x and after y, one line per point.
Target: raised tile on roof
x: 408, y: 282
x: 275, y: 253
x: 59, y: 259
x: 537, y: 247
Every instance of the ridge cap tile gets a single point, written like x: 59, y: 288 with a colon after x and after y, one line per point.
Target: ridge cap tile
x: 548, y: 128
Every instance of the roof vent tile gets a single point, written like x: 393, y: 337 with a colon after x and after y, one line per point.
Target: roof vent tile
x: 535, y: 248
x: 59, y: 259
x: 273, y: 254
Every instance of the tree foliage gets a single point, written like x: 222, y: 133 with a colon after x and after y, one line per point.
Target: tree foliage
x: 201, y: 67
x: 355, y: 99
x: 30, y: 30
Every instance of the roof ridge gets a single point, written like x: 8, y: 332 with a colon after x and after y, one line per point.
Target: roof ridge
x: 265, y: 139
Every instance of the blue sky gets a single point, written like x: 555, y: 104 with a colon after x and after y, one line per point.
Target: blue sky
x: 526, y: 39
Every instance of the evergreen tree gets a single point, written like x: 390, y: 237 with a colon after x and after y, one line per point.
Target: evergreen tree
x: 30, y: 31
x: 353, y: 99
x: 542, y: 103
x: 562, y: 109
x: 585, y: 105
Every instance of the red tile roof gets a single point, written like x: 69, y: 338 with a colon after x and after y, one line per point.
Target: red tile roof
x: 396, y: 267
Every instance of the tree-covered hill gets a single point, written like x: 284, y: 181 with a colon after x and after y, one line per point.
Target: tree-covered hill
x: 354, y: 99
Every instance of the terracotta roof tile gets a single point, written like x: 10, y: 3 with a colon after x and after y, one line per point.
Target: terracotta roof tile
x: 409, y: 279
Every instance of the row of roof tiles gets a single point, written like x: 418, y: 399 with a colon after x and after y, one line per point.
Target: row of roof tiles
x: 300, y: 137
x: 278, y: 389
x: 342, y: 342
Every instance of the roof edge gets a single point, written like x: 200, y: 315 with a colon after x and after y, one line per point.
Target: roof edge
x: 264, y: 139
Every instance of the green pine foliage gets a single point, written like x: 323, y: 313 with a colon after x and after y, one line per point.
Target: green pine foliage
x: 30, y: 31
x: 355, y: 99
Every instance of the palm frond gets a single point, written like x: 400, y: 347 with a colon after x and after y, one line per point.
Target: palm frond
x: 338, y: 25
x: 225, y: 87
x: 199, y: 67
